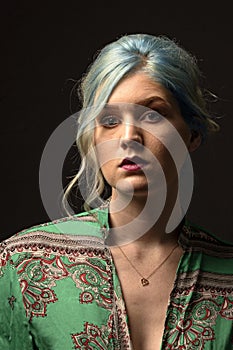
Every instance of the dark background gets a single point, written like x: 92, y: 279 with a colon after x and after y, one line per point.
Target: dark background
x: 44, y: 46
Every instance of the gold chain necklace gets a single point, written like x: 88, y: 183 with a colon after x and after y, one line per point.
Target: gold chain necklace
x: 145, y: 280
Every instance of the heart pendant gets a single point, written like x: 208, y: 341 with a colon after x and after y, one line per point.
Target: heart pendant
x: 144, y: 282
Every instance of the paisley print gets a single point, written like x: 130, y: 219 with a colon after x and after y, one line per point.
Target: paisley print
x: 59, y: 289
x: 39, y: 276
x: 93, y: 338
x: 194, y: 311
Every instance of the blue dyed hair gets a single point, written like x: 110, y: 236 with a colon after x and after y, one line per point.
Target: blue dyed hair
x: 165, y: 62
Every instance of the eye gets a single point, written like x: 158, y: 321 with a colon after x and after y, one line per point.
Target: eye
x: 109, y: 121
x: 151, y: 117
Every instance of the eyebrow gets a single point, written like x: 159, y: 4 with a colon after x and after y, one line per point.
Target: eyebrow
x: 111, y: 106
x: 149, y: 100
x: 144, y: 102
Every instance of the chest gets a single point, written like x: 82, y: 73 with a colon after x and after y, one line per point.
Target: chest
x: 146, y: 306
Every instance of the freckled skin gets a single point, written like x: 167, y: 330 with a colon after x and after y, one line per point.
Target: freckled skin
x: 140, y: 89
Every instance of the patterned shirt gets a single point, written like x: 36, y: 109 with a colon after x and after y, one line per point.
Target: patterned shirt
x: 59, y: 289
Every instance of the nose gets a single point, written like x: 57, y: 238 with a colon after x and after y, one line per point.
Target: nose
x: 131, y: 135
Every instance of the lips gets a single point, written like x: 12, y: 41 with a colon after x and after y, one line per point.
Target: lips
x: 133, y: 163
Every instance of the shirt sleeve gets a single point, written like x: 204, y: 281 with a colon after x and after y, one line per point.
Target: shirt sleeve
x: 14, y: 325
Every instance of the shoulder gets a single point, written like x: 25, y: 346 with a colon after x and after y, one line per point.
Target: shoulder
x: 207, y: 262
x: 83, y: 229
x: 197, y: 238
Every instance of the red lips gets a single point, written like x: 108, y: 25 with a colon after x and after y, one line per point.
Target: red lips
x: 127, y: 161
x: 132, y: 163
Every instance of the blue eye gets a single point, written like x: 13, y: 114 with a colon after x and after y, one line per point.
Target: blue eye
x: 151, y: 117
x: 109, y: 121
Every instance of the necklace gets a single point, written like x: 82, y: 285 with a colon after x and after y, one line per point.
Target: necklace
x: 145, y: 280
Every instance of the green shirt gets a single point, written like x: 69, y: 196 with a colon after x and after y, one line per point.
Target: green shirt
x: 59, y: 289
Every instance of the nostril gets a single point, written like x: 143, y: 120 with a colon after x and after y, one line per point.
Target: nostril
x: 132, y: 143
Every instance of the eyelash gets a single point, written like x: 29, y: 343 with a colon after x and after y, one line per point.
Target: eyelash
x: 105, y: 119
x: 153, y: 113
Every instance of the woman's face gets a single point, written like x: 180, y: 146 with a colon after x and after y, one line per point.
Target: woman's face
x: 134, y: 132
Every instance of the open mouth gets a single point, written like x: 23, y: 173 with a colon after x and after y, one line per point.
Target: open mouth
x: 134, y: 163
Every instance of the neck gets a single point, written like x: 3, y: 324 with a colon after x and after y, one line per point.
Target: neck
x: 138, y: 220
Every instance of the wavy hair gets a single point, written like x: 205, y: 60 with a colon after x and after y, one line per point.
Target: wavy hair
x: 165, y: 62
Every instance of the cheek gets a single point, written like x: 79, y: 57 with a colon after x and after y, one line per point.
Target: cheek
x: 108, y: 173
x: 155, y: 147
x: 107, y: 150
x: 164, y: 158
x: 169, y: 153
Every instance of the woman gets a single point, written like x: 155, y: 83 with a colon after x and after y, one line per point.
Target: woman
x: 130, y: 272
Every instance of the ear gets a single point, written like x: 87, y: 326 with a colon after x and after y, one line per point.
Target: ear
x: 195, y: 141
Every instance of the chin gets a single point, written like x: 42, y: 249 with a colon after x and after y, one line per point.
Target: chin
x: 132, y: 188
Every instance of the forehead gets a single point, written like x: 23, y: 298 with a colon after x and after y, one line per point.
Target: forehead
x: 140, y: 89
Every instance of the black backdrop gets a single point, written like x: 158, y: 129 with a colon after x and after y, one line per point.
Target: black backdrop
x: 44, y: 45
